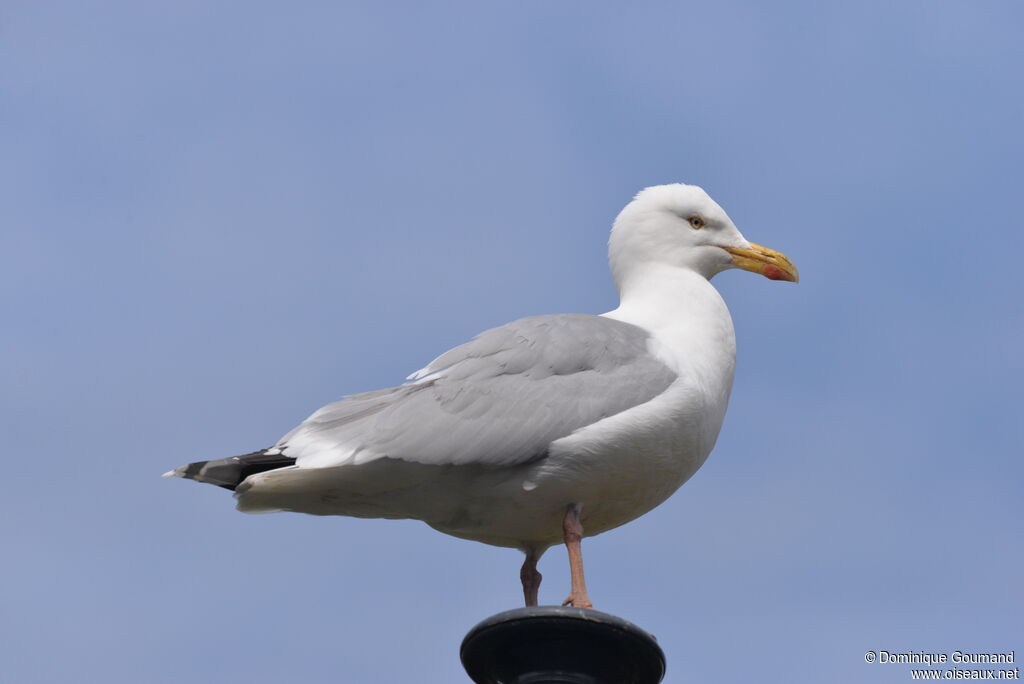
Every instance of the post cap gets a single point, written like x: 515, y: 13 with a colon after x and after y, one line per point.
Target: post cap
x: 565, y: 645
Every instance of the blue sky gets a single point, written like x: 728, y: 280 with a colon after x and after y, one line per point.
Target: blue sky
x: 217, y: 218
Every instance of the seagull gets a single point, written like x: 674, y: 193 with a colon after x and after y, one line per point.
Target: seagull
x: 549, y: 428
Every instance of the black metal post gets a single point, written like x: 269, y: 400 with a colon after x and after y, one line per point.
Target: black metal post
x: 557, y: 645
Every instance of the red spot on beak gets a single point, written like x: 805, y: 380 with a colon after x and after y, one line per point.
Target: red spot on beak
x: 773, y: 272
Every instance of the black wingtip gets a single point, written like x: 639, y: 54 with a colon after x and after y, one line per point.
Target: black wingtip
x: 231, y: 472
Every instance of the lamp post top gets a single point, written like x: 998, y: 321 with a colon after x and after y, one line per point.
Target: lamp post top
x: 564, y: 645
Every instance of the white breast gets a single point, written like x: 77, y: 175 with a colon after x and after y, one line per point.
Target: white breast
x: 625, y: 465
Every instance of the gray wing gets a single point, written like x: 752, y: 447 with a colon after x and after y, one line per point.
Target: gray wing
x: 500, y: 399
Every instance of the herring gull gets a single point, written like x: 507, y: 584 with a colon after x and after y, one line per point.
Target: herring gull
x: 546, y: 429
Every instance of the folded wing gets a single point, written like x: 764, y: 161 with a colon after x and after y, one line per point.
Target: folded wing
x: 498, y: 400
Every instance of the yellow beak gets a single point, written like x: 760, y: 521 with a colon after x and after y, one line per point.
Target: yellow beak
x: 769, y: 263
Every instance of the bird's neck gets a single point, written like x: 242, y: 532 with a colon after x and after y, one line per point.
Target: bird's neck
x: 687, y: 319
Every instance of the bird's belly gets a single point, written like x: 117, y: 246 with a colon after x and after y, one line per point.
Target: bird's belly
x: 617, y: 470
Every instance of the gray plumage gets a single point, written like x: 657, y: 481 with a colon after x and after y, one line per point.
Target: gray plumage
x: 498, y: 400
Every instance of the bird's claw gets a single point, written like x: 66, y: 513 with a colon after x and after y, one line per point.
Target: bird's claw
x: 578, y: 601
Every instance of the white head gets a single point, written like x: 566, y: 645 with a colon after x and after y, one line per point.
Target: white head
x: 680, y: 225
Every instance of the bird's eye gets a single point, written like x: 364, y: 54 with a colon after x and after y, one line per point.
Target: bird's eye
x: 697, y: 222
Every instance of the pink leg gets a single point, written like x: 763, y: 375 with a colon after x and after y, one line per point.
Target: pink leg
x: 530, y: 577
x: 573, y: 530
